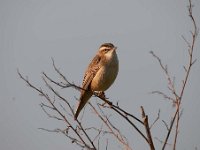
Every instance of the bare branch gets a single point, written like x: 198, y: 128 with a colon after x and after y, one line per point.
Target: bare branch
x: 191, y: 62
x: 157, y: 118
x: 165, y: 96
x: 111, y: 127
x: 169, y: 78
x: 48, y: 114
x: 148, y: 132
x: 165, y: 125
x: 162, y: 141
x: 59, y: 112
x: 187, y: 42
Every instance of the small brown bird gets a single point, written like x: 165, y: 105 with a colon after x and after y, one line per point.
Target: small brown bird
x: 100, y: 74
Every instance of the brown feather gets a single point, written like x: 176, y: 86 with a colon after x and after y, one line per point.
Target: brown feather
x: 96, y: 78
x: 86, y: 92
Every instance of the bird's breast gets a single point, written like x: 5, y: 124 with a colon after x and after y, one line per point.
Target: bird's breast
x: 105, y: 77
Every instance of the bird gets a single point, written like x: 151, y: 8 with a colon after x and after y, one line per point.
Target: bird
x: 99, y: 75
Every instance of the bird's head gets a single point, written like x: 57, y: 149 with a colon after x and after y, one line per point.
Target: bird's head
x: 107, y: 50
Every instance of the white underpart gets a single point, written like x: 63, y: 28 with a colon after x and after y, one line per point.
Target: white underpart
x: 109, y: 54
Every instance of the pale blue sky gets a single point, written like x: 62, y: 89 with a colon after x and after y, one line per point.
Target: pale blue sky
x: 33, y: 31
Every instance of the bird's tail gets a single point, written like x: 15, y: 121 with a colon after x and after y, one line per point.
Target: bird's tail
x: 83, y: 100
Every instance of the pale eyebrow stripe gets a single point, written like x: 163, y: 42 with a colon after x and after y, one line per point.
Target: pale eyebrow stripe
x: 102, y: 48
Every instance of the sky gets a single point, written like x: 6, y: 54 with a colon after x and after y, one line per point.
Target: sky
x: 34, y: 31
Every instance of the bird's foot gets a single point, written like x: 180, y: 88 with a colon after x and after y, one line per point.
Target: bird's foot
x: 103, y: 97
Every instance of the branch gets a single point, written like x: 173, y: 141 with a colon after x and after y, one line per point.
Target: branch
x: 148, y: 132
x: 157, y: 118
x: 178, y: 96
x: 188, y: 69
x: 169, y: 78
x: 60, y: 113
x: 113, y: 130
x: 125, y: 115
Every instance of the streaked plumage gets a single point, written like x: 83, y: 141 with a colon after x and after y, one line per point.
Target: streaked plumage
x: 100, y: 74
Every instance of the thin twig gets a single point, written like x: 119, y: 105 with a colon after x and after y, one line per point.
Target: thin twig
x: 56, y: 109
x: 111, y: 127
x: 148, y: 132
x: 157, y: 118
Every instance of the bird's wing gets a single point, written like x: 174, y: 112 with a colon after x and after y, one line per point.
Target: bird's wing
x: 86, y: 93
x: 91, y: 72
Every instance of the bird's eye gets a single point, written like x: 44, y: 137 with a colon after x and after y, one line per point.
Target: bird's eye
x: 106, y: 50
